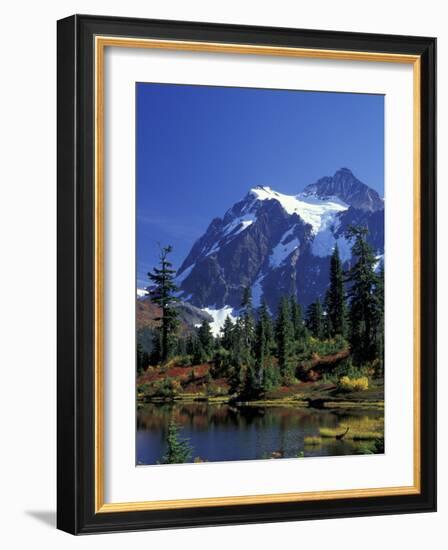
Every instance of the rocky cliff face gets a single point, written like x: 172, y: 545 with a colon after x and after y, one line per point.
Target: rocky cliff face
x: 279, y: 244
x: 349, y: 189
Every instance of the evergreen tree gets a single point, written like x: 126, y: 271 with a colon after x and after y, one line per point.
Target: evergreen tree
x: 238, y: 342
x: 199, y: 354
x: 163, y: 294
x: 255, y: 376
x: 264, y: 336
x: 248, y: 326
x: 142, y: 359
x: 205, y: 337
x: 297, y: 319
x: 315, y: 320
x: 362, y: 298
x: 268, y: 328
x: 221, y: 363
x: 227, y: 334
x: 156, y: 347
x: 379, y: 318
x: 216, y: 346
x: 181, y: 347
x: 327, y: 327
x: 335, y: 299
x: 178, y: 450
x: 236, y: 378
x: 189, y: 345
x: 237, y: 357
x: 260, y: 350
x: 272, y: 378
x: 253, y: 383
x: 285, y: 341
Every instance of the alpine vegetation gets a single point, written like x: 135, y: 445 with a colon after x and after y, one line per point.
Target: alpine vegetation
x: 276, y: 311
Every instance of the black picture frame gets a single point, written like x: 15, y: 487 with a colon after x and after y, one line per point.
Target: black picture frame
x: 76, y: 261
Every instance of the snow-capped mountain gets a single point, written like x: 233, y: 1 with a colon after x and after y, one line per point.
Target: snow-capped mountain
x: 279, y: 244
x: 141, y: 293
x: 349, y: 189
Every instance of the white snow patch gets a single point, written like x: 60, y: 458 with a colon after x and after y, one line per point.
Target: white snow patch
x: 345, y: 248
x: 231, y: 230
x: 239, y: 224
x: 283, y: 249
x: 257, y: 291
x: 141, y: 293
x: 325, y: 242
x: 215, y: 248
x: 379, y: 261
x: 219, y: 316
x: 317, y: 212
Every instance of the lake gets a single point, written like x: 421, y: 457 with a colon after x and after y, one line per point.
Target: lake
x: 221, y: 432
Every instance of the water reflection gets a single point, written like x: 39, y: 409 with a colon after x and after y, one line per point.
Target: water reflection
x: 220, y: 432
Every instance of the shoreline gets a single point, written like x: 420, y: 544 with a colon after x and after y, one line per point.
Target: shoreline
x: 319, y: 403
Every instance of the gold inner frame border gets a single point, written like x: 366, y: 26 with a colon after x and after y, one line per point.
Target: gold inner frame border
x: 100, y: 43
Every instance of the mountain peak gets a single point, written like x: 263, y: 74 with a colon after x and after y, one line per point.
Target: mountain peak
x: 344, y: 170
x: 279, y: 244
x: 262, y: 187
x: 261, y: 191
x: 345, y: 186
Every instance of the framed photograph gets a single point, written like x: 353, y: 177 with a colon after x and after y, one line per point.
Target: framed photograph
x: 246, y: 267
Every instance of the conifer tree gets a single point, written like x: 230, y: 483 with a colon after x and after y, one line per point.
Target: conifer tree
x: 297, y: 319
x: 181, y: 347
x: 315, y: 320
x: 335, y: 299
x: 263, y: 341
x: 327, y: 329
x: 227, y: 334
x: 363, y: 299
x: 284, y: 337
x: 379, y: 318
x: 223, y: 353
x: 205, y: 337
x: 163, y: 294
x: 238, y: 344
x: 142, y: 359
x: 236, y: 378
x: 178, y: 450
x: 260, y: 350
x: 263, y: 336
x: 253, y: 383
x: 237, y: 357
x: 199, y: 354
x: 189, y: 344
x: 222, y: 363
x: 155, y: 356
x: 248, y: 326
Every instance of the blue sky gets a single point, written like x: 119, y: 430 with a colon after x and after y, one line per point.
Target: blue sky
x: 201, y: 148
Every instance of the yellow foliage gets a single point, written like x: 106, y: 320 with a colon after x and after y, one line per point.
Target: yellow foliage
x: 356, y: 384
x: 363, y: 428
x: 312, y: 440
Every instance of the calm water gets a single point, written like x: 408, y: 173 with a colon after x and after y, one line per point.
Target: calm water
x: 223, y: 432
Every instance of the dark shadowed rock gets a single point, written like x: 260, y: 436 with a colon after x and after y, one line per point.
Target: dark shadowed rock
x: 348, y: 188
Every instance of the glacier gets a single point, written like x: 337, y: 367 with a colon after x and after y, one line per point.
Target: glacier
x: 219, y: 316
x: 318, y: 213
